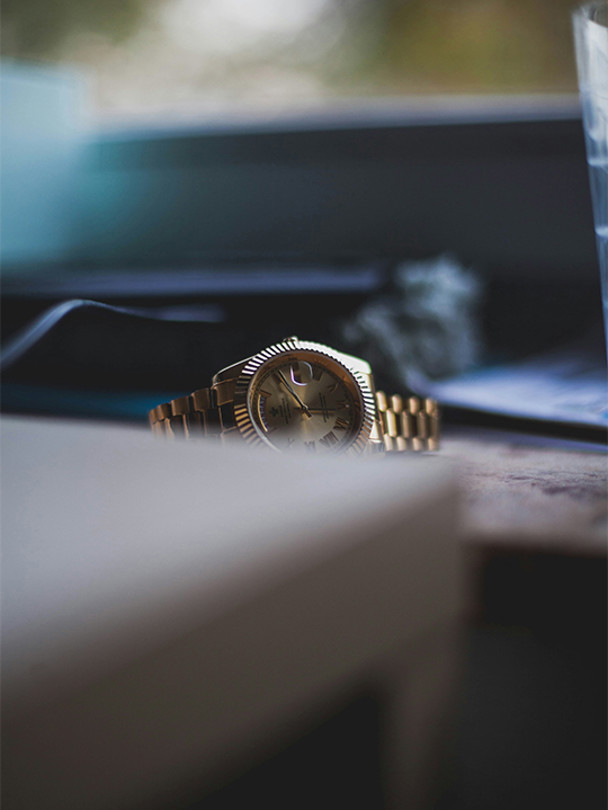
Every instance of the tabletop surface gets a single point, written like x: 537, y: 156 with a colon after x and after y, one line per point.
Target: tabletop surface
x: 524, y: 495
x: 115, y: 543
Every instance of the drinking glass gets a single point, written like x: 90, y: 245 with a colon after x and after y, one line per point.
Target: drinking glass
x: 591, y: 45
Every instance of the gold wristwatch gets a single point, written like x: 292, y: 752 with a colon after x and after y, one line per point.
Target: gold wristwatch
x: 302, y: 395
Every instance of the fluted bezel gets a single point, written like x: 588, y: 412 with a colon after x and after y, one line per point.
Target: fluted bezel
x: 295, y: 349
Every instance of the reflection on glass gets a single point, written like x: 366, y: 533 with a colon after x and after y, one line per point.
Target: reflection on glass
x: 591, y: 37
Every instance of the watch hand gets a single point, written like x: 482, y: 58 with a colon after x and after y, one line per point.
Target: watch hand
x: 293, y: 393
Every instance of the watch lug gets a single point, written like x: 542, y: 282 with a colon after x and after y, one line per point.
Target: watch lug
x: 357, y: 364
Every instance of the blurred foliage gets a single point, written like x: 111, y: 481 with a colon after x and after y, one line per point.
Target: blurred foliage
x: 154, y: 54
x: 466, y: 45
x: 39, y: 29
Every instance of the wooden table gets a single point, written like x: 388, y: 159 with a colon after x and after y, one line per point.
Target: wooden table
x: 522, y: 495
x: 533, y: 713
x: 534, y: 526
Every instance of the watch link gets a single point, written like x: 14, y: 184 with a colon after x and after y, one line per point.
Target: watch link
x: 300, y: 395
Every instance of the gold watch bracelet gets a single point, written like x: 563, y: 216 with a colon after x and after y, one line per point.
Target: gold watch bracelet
x: 406, y: 424
x: 410, y: 424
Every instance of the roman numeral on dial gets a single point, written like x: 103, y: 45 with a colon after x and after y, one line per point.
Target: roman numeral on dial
x: 329, y: 439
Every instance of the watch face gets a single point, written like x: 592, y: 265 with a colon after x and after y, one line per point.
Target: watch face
x: 305, y: 400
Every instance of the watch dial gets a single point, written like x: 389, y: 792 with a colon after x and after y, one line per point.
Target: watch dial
x: 305, y: 401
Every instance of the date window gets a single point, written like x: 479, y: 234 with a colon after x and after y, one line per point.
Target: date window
x: 301, y: 373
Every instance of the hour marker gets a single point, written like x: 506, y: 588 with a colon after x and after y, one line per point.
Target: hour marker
x: 311, y: 447
x: 329, y: 439
x: 317, y: 372
x: 265, y: 394
x: 332, y: 387
x: 341, y: 424
x: 342, y: 405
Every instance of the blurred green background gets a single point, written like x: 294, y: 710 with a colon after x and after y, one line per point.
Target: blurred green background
x: 185, y: 57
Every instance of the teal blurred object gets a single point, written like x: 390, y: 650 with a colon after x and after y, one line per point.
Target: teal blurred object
x: 121, y: 406
x: 43, y: 112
